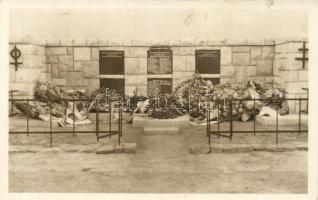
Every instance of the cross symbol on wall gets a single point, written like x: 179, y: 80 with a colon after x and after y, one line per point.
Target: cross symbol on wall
x: 303, y: 58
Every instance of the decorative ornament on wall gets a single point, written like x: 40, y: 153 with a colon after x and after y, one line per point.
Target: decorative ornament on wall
x: 15, y: 53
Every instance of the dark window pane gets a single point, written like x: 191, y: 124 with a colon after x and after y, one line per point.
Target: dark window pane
x: 111, y: 62
x: 113, y: 84
x: 164, y: 86
x: 207, y: 61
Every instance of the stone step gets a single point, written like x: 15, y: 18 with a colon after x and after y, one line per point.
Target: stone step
x: 179, y: 122
x: 285, y: 120
x: 161, y: 130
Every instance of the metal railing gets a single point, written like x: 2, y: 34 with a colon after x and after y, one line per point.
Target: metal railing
x: 99, y: 133
x: 229, y: 133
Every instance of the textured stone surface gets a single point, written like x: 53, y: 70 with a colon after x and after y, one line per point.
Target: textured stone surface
x: 268, y: 52
x: 59, y: 81
x: 56, y: 50
x: 136, y: 80
x: 161, y: 130
x: 51, y: 59
x: 105, y: 149
x: 241, y: 49
x: 264, y: 68
x: 27, y: 75
x: 130, y: 147
x: 256, y: 53
x: 185, y: 51
x: 179, y: 63
x: 92, y: 84
x: 241, y: 58
x: 136, y: 52
x: 191, y: 64
x: 226, y: 55
x: 95, y: 53
x: 66, y: 62
x: 142, y: 65
x: 240, y: 75
x: 82, y: 53
x: 131, y: 65
x: 251, y: 70
x: 228, y: 70
x: 181, y: 122
x: 90, y: 69
x: 73, y: 78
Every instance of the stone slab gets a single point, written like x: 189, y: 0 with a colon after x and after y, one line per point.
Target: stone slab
x: 179, y: 122
x: 105, y: 149
x: 290, y: 119
x: 161, y: 130
x: 200, y: 149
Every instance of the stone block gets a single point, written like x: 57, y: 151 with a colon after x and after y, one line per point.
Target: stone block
x: 200, y: 149
x: 303, y: 75
x: 70, y: 50
x: 226, y: 55
x: 27, y: 75
x: 135, y: 80
x: 12, y: 74
x: 105, y: 149
x: 161, y: 130
x: 118, y: 149
x: 90, y: 69
x: 51, y: 59
x: 179, y: 63
x: 251, y: 70
x: 139, y: 52
x: 55, y: 71
x: 32, y: 61
x: 227, y: 70
x: 268, y: 52
x: 225, y: 79
x: 175, y: 50
x: 142, y: 65
x: 56, y: 50
x: 180, y: 76
x: 269, y: 80
x: 186, y: 51
x: 95, y: 53
x: 66, y: 62
x: 241, y: 49
x: 295, y: 87
x: 73, y: 78
x: 264, y: 68
x: 179, y: 122
x: 290, y: 47
x: 191, y: 64
x: 59, y: 81
x: 241, y: 58
x: 82, y: 53
x: 92, y: 85
x: 256, y: 53
x: 131, y: 65
x: 289, y: 75
x: 240, y: 74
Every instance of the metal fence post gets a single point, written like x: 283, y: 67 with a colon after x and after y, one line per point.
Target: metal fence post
x: 218, y: 120
x: 110, y: 116
x: 276, y: 123
x: 254, y: 124
x: 51, y: 140
x: 119, y: 125
x: 28, y: 115
x: 73, y: 116
x: 97, y: 122
x: 231, y: 121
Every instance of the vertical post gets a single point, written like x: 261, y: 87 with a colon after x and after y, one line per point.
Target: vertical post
x: 299, y: 118
x: 276, y: 122
x: 119, y: 125
x: 218, y: 120
x: 110, y: 116
x: 97, y: 123
x: 73, y: 116
x: 231, y: 121
x: 254, y: 125
x: 50, y: 103
x: 28, y: 116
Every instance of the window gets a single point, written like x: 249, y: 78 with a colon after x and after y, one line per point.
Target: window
x: 207, y: 61
x: 111, y: 69
x: 159, y: 85
x: 159, y: 60
x: 111, y: 62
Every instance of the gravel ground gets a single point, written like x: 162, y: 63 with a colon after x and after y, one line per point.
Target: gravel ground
x: 162, y: 164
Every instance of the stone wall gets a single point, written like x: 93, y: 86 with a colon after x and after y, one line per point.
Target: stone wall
x: 32, y: 69
x: 75, y: 64
x: 289, y: 73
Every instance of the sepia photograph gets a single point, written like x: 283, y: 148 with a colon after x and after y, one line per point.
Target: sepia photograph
x: 159, y: 98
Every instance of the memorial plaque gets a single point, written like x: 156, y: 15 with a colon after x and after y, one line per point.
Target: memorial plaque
x: 207, y: 61
x: 159, y: 60
x: 111, y: 62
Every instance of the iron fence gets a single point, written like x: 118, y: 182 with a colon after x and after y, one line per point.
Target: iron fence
x: 100, y: 133
x: 229, y: 133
